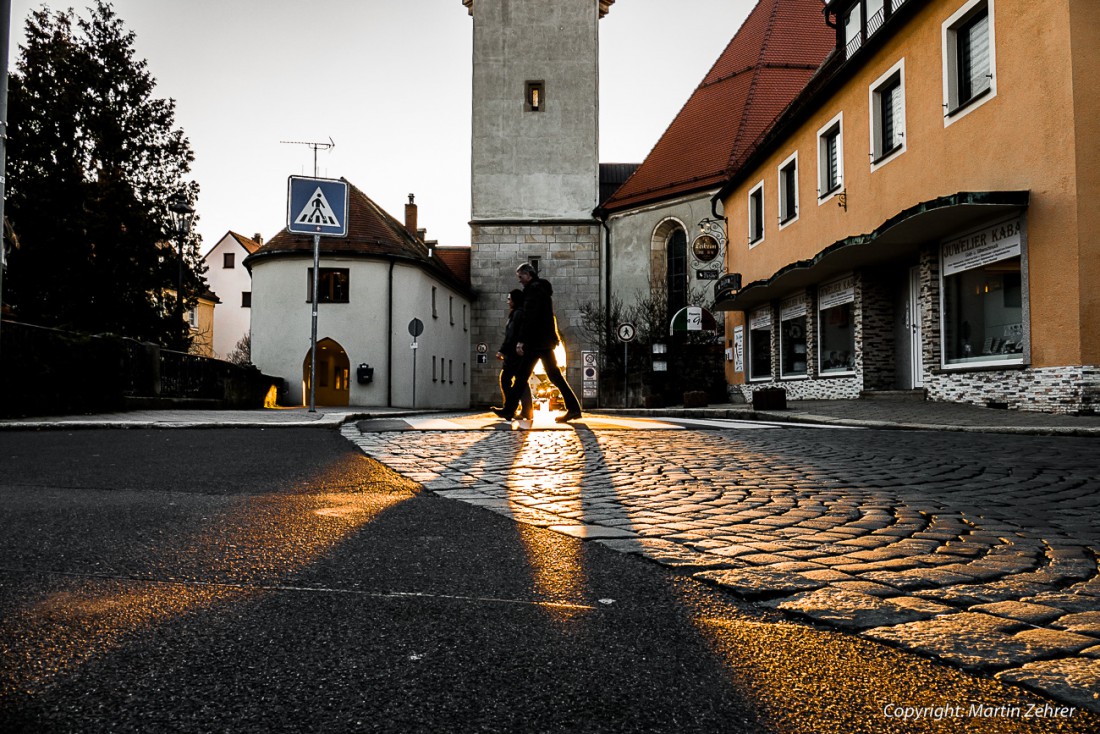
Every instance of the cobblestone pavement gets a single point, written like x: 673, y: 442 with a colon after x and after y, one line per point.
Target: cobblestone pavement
x: 979, y: 550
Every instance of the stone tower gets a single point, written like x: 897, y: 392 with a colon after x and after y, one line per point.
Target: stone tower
x: 535, y: 165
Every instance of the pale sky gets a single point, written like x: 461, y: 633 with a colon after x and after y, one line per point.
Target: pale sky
x: 389, y: 82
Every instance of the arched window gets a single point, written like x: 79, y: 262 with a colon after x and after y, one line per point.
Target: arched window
x: 676, y: 270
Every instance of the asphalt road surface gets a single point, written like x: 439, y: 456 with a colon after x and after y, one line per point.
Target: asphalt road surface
x: 279, y: 580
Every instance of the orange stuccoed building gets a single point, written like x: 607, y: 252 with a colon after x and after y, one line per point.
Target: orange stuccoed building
x: 922, y: 217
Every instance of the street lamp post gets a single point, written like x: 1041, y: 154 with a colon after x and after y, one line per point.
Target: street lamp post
x: 182, y: 216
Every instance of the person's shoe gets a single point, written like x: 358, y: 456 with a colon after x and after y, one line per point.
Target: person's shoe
x: 500, y: 413
x: 570, y: 416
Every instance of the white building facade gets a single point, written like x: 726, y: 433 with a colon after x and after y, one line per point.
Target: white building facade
x: 230, y: 280
x: 376, y: 285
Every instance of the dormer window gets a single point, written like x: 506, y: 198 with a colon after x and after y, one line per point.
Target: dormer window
x: 861, y: 19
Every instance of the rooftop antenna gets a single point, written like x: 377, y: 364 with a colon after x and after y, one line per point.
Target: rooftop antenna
x: 315, y: 146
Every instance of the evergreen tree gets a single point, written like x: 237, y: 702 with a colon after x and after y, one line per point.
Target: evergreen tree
x: 94, y: 158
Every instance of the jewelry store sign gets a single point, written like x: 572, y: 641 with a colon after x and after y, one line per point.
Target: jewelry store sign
x: 836, y: 293
x: 985, y: 246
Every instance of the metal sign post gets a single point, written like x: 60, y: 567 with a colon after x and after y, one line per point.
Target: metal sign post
x: 313, y: 324
x: 317, y: 206
x: 416, y: 328
x: 626, y: 333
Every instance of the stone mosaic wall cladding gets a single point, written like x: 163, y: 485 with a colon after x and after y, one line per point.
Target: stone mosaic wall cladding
x: 877, y: 347
x: 1073, y: 389
x: 568, y: 257
x: 814, y: 388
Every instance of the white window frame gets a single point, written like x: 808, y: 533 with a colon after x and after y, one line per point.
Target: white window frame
x: 791, y: 160
x: 837, y: 123
x: 749, y: 349
x: 874, y: 104
x: 822, y: 307
x: 949, y: 40
x: 854, y: 17
x: 757, y: 191
x: 798, y: 303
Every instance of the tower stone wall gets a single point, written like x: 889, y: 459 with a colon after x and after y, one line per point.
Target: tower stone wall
x: 534, y: 167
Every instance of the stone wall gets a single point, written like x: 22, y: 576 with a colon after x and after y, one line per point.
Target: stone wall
x: 568, y: 255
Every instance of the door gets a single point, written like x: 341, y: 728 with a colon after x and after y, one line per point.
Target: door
x: 913, y: 321
x: 333, y: 373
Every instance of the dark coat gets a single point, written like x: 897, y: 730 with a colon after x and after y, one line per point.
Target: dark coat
x: 540, y: 330
x: 511, y: 335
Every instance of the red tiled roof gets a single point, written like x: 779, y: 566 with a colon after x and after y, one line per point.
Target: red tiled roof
x: 457, y: 259
x: 765, y: 66
x: 247, y: 243
x: 371, y: 232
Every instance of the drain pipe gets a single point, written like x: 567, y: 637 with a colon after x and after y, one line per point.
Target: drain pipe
x: 389, y: 336
x: 601, y: 214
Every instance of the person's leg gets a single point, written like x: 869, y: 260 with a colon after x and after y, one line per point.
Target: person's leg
x: 526, y: 411
x: 519, y: 382
x: 554, y: 374
x: 506, y: 378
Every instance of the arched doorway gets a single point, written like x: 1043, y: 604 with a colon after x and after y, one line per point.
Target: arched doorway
x: 333, y: 372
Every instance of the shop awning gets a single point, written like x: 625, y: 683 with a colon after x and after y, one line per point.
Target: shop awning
x: 897, y: 238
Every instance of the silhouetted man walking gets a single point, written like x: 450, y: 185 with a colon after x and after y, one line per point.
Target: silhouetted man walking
x: 537, y: 340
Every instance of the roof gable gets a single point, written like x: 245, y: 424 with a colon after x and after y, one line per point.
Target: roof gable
x: 372, y: 232
x: 766, y: 64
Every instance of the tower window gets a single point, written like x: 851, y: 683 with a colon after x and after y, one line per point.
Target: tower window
x: 535, y: 96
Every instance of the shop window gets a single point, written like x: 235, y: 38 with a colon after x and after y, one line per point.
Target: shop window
x: 887, y: 105
x: 830, y: 157
x: 982, y: 290
x: 756, y: 214
x: 792, y: 338
x: 760, y: 345
x: 836, y: 329
x: 788, y: 190
x: 333, y: 285
x: 969, y: 58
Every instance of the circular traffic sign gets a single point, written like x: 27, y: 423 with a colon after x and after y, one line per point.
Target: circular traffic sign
x: 416, y: 327
x: 626, y: 332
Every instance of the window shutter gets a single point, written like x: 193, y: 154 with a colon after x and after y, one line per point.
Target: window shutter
x: 974, y: 57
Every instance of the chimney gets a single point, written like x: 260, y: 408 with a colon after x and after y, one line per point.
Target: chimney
x: 410, y: 216
x: 258, y: 238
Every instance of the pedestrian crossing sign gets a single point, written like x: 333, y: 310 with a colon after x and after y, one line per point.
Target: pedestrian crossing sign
x: 317, y: 206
